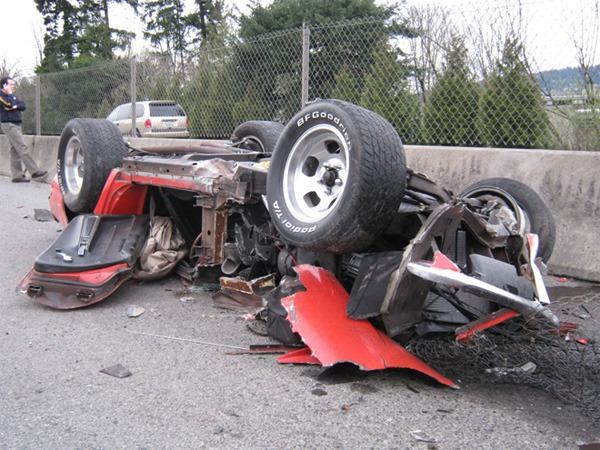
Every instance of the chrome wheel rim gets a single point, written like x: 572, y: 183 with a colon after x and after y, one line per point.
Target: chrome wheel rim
x: 74, y: 165
x: 316, y: 174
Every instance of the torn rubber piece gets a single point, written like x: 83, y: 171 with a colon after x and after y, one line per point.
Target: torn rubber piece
x: 318, y: 315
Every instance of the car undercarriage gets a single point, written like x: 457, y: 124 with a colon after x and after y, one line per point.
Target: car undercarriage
x: 322, y: 219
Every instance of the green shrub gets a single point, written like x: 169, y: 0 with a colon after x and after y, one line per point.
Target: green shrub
x: 511, y: 109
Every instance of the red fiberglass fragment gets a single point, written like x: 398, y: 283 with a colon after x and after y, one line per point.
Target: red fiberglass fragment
x: 302, y: 356
x: 441, y: 261
x: 318, y: 315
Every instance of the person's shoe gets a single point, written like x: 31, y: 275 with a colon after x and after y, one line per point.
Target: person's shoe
x: 39, y: 174
x: 20, y: 180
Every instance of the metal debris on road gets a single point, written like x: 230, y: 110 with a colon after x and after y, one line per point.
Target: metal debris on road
x: 42, y: 215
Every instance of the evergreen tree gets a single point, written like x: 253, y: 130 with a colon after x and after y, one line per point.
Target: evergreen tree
x: 451, y: 108
x: 208, y: 23
x: 346, y: 86
x: 249, y: 107
x: 334, y: 46
x: 208, y: 101
x: 174, y: 33
x: 511, y: 109
x: 167, y: 30
x: 60, y: 22
x: 78, y: 33
x: 387, y: 93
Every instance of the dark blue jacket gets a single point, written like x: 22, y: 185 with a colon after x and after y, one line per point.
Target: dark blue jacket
x: 8, y: 101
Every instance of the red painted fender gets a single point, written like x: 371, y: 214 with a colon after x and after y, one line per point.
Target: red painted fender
x: 318, y: 315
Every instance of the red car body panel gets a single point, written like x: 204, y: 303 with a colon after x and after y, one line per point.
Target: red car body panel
x: 57, y: 203
x: 120, y: 196
x: 318, y: 315
x: 74, y: 289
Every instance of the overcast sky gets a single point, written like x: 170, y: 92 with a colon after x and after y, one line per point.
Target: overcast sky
x: 23, y: 27
x: 21, y: 23
x: 551, y: 26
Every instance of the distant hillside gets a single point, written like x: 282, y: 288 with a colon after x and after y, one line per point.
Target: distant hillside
x: 566, y: 81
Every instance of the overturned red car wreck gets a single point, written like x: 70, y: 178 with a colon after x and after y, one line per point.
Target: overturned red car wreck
x: 362, y: 254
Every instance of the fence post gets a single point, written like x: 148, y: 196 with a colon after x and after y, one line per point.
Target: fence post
x: 305, y: 62
x: 133, y: 93
x: 38, y: 105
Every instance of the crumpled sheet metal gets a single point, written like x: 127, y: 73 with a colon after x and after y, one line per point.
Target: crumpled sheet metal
x: 318, y: 315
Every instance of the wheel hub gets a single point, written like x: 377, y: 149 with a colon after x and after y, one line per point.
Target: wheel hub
x: 329, y: 178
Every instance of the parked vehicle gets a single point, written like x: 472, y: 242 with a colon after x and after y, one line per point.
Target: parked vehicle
x: 322, y: 218
x: 158, y: 118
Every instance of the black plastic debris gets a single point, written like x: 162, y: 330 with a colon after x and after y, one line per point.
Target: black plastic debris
x: 277, y: 324
x: 318, y: 392
x: 258, y: 327
x: 42, y: 215
x: 369, y: 289
x: 117, y: 371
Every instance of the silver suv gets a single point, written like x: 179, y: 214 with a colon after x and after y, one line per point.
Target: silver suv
x: 158, y: 118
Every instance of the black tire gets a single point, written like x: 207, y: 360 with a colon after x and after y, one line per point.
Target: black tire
x: 258, y: 135
x: 336, y: 177
x: 534, y: 215
x: 88, y: 150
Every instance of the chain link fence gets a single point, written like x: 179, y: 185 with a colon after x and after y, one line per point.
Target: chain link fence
x: 457, y: 74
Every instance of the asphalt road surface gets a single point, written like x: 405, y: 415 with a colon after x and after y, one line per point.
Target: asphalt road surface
x: 185, y: 391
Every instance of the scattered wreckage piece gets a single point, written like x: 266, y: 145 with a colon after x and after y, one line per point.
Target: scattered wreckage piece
x: 243, y: 295
x: 117, y: 371
x: 264, y: 349
x: 318, y: 315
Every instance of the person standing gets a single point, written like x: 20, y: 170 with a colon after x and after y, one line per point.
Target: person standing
x: 10, y: 118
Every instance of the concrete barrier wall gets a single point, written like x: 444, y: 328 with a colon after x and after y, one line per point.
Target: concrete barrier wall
x: 568, y: 181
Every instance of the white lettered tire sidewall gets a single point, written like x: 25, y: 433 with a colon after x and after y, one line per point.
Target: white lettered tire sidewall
x: 336, y: 177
